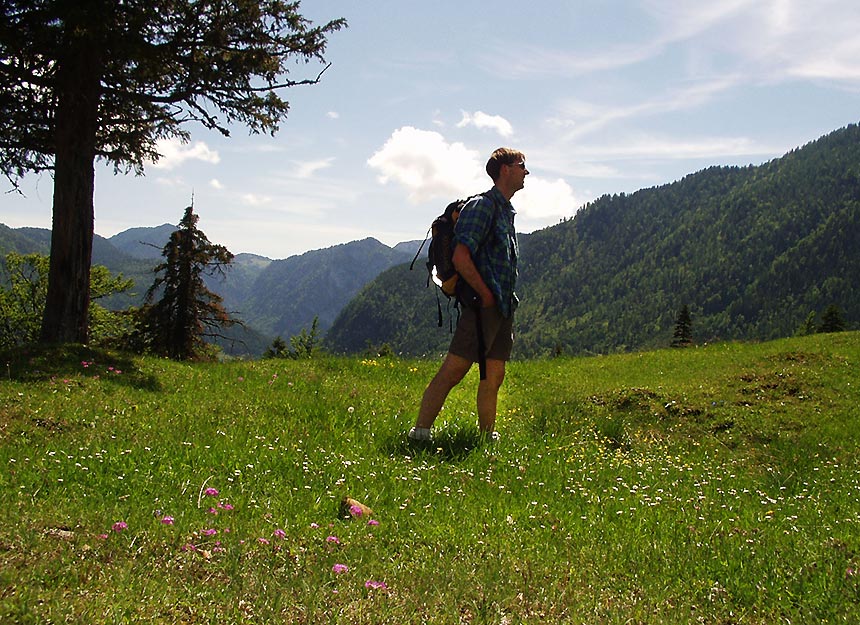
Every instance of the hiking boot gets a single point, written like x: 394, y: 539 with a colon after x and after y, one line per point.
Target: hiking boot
x: 419, y: 434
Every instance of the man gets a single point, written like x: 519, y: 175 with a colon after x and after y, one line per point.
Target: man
x: 485, y: 256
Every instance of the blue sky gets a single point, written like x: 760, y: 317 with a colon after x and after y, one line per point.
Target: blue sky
x: 603, y: 96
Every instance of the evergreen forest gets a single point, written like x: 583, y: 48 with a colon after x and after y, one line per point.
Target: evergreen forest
x: 753, y: 252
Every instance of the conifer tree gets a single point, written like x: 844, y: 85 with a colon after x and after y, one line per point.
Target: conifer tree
x: 831, y: 320
x: 87, y: 80
x: 187, y: 312
x: 683, y: 335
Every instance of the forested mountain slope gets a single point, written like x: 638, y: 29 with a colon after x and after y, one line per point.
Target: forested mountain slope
x: 288, y: 294
x: 280, y: 297
x: 752, y: 251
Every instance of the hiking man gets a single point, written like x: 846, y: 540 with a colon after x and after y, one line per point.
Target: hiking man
x: 485, y: 256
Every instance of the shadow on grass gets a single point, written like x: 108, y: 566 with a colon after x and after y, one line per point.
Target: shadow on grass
x: 447, y: 444
x: 34, y: 363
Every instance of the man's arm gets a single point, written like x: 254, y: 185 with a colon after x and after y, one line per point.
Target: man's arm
x: 465, y: 266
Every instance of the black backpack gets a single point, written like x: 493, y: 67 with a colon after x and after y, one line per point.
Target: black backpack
x: 441, y: 271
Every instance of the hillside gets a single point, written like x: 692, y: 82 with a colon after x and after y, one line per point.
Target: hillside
x: 272, y: 298
x: 289, y: 293
x: 752, y: 251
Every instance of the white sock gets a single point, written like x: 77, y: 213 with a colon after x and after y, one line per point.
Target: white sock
x: 419, y: 434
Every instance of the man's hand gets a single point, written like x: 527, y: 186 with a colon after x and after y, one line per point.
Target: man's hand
x: 465, y: 266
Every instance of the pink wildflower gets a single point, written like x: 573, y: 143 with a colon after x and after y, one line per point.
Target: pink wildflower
x: 373, y: 522
x: 167, y: 520
x: 374, y: 585
x: 225, y: 506
x: 333, y: 539
x: 119, y: 526
x: 279, y: 533
x: 263, y: 541
x: 211, y: 492
x: 337, y: 569
x: 355, y: 510
x: 209, y: 532
x: 315, y: 526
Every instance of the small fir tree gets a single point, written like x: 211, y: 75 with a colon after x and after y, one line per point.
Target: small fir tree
x: 302, y: 345
x: 187, y: 312
x: 831, y: 320
x: 683, y: 334
x: 808, y: 326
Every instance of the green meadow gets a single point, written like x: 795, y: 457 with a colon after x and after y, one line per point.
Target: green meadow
x: 716, y: 484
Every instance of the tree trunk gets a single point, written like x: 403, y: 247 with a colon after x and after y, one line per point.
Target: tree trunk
x: 66, y: 316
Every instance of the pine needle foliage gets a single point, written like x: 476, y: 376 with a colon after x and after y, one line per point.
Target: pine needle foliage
x: 187, y: 312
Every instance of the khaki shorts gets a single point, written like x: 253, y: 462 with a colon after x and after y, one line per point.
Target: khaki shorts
x: 498, y: 335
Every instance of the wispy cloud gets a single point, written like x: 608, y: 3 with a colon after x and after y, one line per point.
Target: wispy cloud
x: 669, y: 148
x: 581, y: 118
x: 255, y: 199
x: 763, y: 40
x: 770, y: 41
x: 306, y: 169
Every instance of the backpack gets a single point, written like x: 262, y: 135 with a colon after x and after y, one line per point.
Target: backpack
x: 441, y: 271
x: 440, y: 253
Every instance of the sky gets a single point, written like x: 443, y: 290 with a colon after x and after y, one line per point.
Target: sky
x: 602, y: 96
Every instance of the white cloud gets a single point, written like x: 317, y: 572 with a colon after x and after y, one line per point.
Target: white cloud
x: 482, y: 121
x: 216, y: 184
x: 427, y: 165
x: 541, y: 201
x: 333, y: 115
x: 174, y: 153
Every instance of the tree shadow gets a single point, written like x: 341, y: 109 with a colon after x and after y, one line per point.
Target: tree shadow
x: 38, y: 363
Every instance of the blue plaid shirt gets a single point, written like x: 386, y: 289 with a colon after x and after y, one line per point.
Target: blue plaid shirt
x: 486, y: 227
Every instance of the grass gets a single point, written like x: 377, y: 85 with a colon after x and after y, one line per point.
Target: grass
x: 718, y: 484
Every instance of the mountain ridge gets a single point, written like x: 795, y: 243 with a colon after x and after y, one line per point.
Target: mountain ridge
x: 752, y: 250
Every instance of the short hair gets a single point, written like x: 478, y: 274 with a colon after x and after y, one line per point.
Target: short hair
x: 502, y: 156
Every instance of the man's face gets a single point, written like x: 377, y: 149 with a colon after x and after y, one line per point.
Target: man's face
x: 517, y: 173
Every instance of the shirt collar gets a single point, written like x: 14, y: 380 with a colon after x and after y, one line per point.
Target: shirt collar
x: 501, y: 200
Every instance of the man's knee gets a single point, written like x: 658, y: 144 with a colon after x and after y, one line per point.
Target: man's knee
x: 495, y: 373
x: 453, y: 370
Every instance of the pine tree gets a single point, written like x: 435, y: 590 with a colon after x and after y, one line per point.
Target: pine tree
x: 831, y: 320
x: 187, y: 312
x: 87, y: 80
x: 683, y: 335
